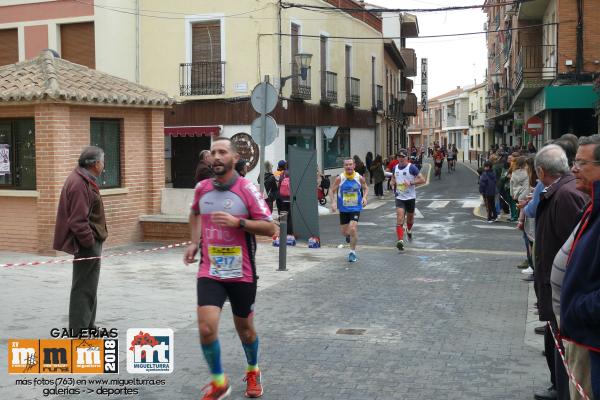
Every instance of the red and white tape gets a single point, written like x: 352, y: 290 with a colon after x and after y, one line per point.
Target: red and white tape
x: 66, y: 260
x: 564, y: 360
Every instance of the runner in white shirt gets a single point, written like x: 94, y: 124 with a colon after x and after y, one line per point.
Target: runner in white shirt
x: 405, y: 177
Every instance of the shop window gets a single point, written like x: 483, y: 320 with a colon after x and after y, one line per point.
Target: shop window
x: 17, y: 154
x: 336, y: 149
x: 106, y: 134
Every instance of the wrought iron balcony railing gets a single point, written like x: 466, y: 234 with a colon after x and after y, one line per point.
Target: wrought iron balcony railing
x: 379, y: 97
x: 301, y: 87
x: 202, y: 78
x: 352, y: 91
x: 535, y: 64
x: 329, y: 87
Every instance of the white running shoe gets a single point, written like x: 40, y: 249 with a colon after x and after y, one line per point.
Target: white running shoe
x: 528, y: 270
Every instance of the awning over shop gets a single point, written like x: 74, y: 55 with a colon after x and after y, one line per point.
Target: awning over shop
x: 565, y: 97
x: 192, y: 130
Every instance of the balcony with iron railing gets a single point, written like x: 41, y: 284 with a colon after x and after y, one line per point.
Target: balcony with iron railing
x: 352, y: 92
x: 378, y: 97
x: 329, y: 87
x: 506, y: 46
x: 535, y: 66
x: 497, y: 62
x: 392, y: 107
x: 202, y: 78
x: 410, y: 59
x: 409, y: 108
x: 300, y: 87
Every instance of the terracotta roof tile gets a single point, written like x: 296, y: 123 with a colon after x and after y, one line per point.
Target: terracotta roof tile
x: 48, y: 77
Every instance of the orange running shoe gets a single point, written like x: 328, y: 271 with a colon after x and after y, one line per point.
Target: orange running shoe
x: 214, y: 392
x: 253, y: 384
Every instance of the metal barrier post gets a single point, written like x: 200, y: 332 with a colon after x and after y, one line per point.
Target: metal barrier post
x: 282, y: 241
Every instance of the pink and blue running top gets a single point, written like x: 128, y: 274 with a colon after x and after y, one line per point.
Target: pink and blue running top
x: 228, y: 254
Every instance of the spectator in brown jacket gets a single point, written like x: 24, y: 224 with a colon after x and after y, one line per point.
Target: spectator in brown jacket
x: 204, y: 167
x: 80, y: 230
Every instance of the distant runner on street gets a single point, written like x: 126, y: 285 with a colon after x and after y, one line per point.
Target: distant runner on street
x: 227, y: 212
x: 404, y: 179
x: 351, y: 191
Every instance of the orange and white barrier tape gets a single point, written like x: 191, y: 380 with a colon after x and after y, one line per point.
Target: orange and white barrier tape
x: 564, y: 360
x: 67, y: 260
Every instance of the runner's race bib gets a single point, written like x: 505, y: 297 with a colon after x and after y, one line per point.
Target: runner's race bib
x: 402, y: 187
x: 350, y: 199
x: 225, y: 261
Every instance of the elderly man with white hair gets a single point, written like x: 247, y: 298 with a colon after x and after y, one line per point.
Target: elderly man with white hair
x: 557, y: 214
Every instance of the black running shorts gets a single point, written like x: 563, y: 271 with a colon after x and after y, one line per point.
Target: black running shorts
x: 214, y: 293
x: 407, y: 205
x: 346, y: 217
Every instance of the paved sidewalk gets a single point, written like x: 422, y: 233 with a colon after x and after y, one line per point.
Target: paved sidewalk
x: 147, y: 290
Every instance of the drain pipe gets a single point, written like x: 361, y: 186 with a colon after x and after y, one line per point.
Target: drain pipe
x: 579, y: 56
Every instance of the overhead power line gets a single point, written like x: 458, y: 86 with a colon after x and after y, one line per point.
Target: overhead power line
x: 157, y: 13
x: 417, y: 37
x: 384, y: 10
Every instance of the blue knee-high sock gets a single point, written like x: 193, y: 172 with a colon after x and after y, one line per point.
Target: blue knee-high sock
x: 212, y: 354
x: 251, y: 350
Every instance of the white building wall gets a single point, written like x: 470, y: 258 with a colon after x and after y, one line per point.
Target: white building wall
x: 116, y: 34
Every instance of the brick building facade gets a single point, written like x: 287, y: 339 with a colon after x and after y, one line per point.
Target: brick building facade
x: 49, y: 110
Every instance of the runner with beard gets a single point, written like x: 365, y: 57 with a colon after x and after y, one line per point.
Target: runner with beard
x: 227, y: 212
x: 404, y: 179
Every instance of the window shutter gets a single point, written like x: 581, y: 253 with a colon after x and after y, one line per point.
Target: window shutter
x: 77, y: 43
x: 206, y: 42
x: 9, y: 46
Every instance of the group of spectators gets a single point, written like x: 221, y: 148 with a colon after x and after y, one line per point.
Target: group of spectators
x: 554, y: 196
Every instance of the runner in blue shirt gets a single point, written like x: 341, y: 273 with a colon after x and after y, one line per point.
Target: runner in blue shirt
x: 349, y: 193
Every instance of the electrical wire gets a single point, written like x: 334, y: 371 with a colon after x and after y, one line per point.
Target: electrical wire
x: 132, y: 11
x: 309, y: 7
x: 413, y: 38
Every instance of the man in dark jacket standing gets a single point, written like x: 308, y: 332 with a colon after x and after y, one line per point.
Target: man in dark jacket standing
x: 557, y: 214
x: 80, y: 230
x: 487, y: 188
x: 580, y: 293
x: 204, y: 167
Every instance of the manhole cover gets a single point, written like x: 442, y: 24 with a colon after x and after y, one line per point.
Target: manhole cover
x: 351, y: 331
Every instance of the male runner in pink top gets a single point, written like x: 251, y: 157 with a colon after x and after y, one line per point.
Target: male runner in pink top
x: 227, y: 212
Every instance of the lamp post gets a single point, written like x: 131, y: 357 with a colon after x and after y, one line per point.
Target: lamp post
x: 302, y: 61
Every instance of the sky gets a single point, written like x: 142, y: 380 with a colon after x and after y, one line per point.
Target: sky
x: 453, y: 61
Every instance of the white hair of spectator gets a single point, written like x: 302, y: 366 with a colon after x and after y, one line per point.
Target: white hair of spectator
x: 553, y: 160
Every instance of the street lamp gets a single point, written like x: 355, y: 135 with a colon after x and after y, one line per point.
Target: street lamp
x: 302, y: 61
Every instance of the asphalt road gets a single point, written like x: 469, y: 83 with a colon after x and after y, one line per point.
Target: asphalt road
x: 446, y: 319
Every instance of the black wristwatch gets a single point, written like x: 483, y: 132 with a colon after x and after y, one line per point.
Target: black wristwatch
x: 242, y: 223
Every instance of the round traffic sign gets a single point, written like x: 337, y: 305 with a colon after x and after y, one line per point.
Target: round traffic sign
x: 264, y: 98
x: 270, y: 134
x: 534, y: 126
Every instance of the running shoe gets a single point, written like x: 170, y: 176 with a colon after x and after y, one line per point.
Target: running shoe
x: 253, y: 384
x: 400, y: 245
x: 347, y: 238
x: 409, y: 234
x: 352, y: 257
x: 214, y: 392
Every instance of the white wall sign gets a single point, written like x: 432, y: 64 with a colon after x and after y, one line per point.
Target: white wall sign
x: 4, y: 159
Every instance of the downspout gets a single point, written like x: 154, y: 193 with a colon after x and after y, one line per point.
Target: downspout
x: 278, y: 81
x: 579, y: 56
x: 137, y: 41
